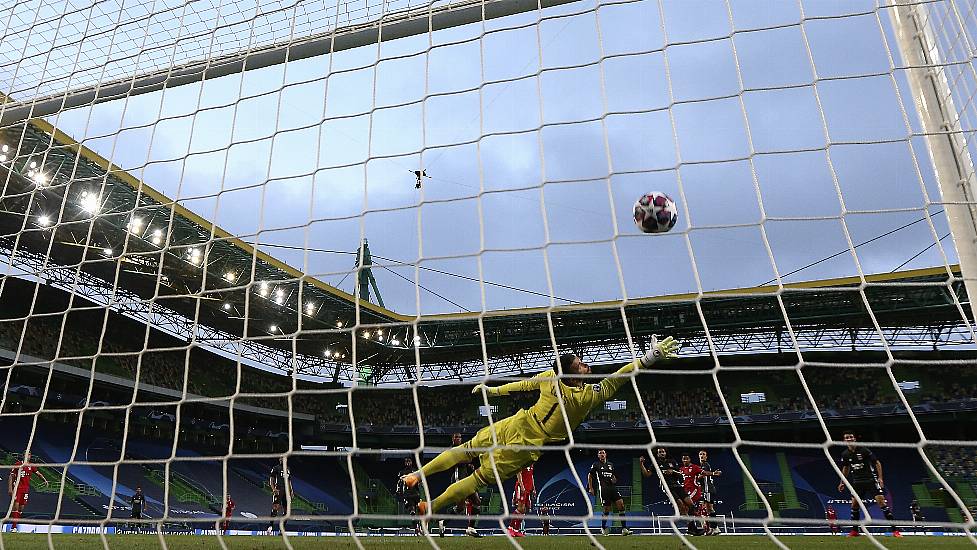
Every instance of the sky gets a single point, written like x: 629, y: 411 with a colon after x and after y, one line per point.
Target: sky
x: 537, y: 135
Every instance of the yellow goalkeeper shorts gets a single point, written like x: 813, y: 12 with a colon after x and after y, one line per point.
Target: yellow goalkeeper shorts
x: 518, y: 429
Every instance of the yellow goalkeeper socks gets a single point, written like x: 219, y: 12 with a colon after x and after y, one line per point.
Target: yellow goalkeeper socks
x: 456, y: 492
x: 443, y: 461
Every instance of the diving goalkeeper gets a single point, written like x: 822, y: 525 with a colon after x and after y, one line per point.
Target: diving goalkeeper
x: 545, y: 422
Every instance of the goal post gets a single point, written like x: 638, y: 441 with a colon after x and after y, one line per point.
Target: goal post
x: 948, y: 142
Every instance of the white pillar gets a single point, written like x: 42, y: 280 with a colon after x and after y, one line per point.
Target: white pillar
x: 941, y: 123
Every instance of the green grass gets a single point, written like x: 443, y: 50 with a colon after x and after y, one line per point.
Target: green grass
x: 24, y: 541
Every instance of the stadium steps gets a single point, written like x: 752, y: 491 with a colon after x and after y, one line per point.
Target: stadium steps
x: 922, y: 493
x: 183, y: 489
x: 753, y: 502
x: 637, y: 487
x: 383, y: 501
x: 966, y: 492
x: 791, y: 502
x: 299, y: 503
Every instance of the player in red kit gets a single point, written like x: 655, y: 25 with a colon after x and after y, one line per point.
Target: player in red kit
x: 228, y: 512
x: 832, y: 516
x: 19, y: 485
x: 522, y: 498
x: 690, y: 482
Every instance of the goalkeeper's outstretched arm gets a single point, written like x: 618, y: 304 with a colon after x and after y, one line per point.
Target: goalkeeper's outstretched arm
x: 666, y: 349
x: 529, y: 384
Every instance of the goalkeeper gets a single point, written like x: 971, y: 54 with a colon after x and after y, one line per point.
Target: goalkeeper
x: 545, y: 422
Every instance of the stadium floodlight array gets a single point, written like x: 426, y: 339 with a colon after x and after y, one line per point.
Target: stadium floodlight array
x: 335, y: 196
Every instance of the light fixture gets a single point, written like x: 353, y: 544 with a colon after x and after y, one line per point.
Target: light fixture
x: 379, y: 333
x: 39, y: 178
x: 33, y: 165
x: 309, y: 308
x: 328, y: 353
x: 194, y: 255
x: 227, y: 306
x: 89, y: 202
x: 273, y: 328
x: 395, y: 342
x: 5, y: 149
x: 157, y: 237
x: 263, y: 289
x: 230, y: 276
x: 339, y: 324
x: 44, y: 221
x: 107, y: 251
x: 134, y: 226
x: 366, y: 334
x: 3, y: 157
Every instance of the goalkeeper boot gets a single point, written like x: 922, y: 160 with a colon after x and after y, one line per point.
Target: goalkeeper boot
x: 625, y: 531
x: 411, y: 480
x: 472, y: 532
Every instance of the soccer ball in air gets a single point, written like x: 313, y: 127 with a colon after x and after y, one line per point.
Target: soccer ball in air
x: 655, y: 212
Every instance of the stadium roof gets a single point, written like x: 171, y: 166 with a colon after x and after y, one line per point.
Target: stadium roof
x: 73, y: 220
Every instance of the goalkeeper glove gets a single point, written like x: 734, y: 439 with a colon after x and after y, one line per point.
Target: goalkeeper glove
x: 488, y: 390
x: 666, y: 349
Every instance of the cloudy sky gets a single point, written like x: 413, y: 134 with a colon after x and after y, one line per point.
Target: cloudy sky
x: 538, y: 139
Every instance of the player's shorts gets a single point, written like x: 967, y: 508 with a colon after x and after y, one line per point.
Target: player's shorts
x: 867, y: 489
x: 411, y: 502
x: 279, y: 498
x: 136, y: 514
x: 21, y: 498
x: 518, y: 429
x: 678, y: 492
x: 708, y: 496
x: 607, y: 495
x: 695, y: 493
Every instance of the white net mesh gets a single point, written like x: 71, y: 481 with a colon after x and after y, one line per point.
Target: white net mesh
x: 255, y: 230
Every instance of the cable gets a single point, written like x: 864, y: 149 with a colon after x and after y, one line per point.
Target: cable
x: 920, y: 253
x: 456, y: 304
x: 839, y: 253
x: 399, y: 262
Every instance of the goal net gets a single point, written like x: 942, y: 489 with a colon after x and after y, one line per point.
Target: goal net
x: 257, y: 255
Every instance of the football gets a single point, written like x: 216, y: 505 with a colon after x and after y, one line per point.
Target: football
x: 655, y: 212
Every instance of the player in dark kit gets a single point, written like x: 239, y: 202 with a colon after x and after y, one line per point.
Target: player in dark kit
x: 864, y: 471
x: 545, y: 515
x: 138, y: 501
x: 280, y: 480
x: 602, y: 482
x: 673, y: 483
x: 709, y: 493
x: 409, y: 495
x: 916, y: 511
x: 472, y: 503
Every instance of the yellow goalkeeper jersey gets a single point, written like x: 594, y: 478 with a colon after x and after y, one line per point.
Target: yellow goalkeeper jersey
x: 577, y: 401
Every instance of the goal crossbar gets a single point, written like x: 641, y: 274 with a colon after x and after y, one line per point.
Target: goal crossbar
x: 391, y: 26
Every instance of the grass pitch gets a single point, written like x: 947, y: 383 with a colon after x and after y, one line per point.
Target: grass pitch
x: 180, y: 542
